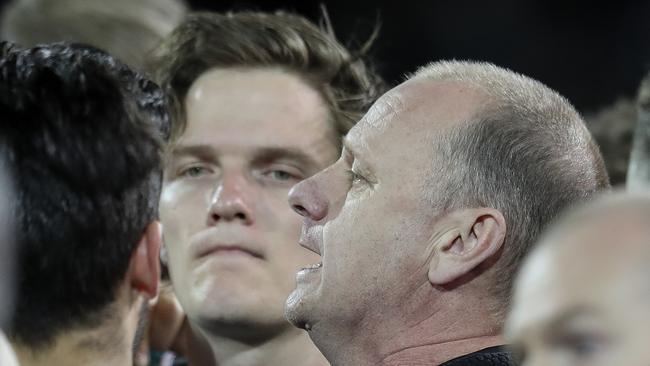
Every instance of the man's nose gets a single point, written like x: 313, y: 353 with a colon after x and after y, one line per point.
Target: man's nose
x: 231, y: 201
x: 307, y: 200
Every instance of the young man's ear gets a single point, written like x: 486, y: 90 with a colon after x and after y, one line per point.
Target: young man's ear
x: 144, y: 269
x: 476, y: 235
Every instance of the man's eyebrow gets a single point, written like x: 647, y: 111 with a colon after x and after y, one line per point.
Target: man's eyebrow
x: 270, y: 154
x: 200, y: 151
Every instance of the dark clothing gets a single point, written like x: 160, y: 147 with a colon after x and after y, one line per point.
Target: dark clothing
x: 493, y: 356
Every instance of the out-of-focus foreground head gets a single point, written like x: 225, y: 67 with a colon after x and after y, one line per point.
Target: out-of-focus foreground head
x: 583, y: 296
x: 261, y: 101
x: 613, y: 130
x: 441, y: 189
x: 7, y: 265
x: 83, y: 136
x: 638, y: 174
x: 127, y: 29
x: 6, y: 228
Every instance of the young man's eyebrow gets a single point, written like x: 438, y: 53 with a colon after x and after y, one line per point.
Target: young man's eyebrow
x: 269, y: 154
x: 200, y: 151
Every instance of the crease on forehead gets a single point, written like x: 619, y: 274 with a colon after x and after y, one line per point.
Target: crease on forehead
x: 386, y: 108
x: 375, y: 121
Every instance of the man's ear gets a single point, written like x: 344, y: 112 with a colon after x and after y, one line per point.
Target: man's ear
x: 476, y: 235
x: 144, y: 269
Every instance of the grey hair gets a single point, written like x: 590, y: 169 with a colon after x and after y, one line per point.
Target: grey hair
x: 526, y: 153
x: 127, y: 29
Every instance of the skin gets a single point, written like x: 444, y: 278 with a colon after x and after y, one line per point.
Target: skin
x: 251, y: 134
x: 593, y: 279
x: 7, y: 356
x: 389, y: 289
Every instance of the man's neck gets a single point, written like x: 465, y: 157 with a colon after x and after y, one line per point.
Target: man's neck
x: 428, y: 334
x: 291, y: 347
x: 436, y: 354
x: 78, y: 349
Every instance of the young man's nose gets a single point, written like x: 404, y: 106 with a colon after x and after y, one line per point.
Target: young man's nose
x: 231, y: 201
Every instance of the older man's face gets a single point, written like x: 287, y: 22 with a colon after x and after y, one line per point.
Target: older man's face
x: 586, y: 301
x: 367, y: 216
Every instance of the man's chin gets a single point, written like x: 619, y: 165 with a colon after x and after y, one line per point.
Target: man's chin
x: 296, y: 309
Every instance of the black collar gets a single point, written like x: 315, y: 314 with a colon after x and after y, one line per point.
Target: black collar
x: 492, y: 356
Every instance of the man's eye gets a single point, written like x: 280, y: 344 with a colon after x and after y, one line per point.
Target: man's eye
x: 194, y: 171
x: 354, y: 177
x: 280, y: 175
x: 585, y: 348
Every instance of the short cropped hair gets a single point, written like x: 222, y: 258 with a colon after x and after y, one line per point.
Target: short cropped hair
x: 84, y: 137
x: 127, y: 29
x: 527, y: 153
x: 290, y: 42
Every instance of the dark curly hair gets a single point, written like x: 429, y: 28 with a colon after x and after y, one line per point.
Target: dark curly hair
x: 83, y: 136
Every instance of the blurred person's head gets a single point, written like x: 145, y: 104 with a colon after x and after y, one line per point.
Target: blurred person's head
x: 261, y: 101
x: 7, y: 267
x: 83, y: 136
x: 441, y: 189
x: 638, y: 175
x: 127, y: 29
x: 613, y: 128
x: 583, y: 296
x: 7, y: 263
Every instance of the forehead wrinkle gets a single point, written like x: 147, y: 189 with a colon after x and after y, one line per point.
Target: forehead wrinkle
x: 383, y: 110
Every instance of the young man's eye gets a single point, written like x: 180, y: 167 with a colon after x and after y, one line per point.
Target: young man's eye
x: 194, y: 171
x: 280, y: 175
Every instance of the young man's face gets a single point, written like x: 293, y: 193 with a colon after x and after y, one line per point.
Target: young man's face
x: 230, y: 233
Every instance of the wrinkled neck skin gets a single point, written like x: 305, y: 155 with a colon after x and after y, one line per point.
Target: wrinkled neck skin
x: 424, y: 333
x: 289, y: 347
x: 110, y: 344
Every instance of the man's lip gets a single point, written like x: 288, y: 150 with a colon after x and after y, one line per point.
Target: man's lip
x: 311, y: 237
x: 227, y: 248
x: 309, y: 246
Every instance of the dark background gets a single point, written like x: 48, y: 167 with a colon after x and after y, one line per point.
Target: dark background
x: 590, y: 51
